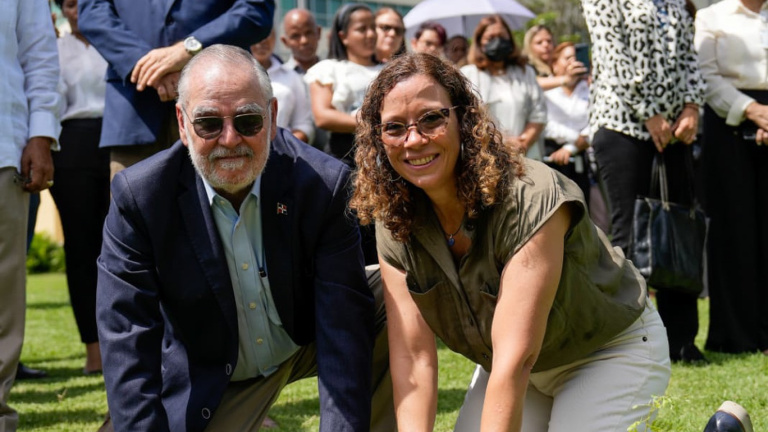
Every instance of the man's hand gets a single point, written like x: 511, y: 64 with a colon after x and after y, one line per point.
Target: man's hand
x: 660, y: 131
x: 687, y: 125
x: 37, y: 164
x: 167, y: 86
x: 158, y: 63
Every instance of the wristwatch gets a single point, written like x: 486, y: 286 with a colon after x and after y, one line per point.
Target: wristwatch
x: 192, y: 45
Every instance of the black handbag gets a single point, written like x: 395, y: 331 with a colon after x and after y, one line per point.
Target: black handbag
x: 667, y: 242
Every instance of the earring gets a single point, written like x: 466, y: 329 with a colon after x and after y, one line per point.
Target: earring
x: 461, y: 152
x: 378, y: 161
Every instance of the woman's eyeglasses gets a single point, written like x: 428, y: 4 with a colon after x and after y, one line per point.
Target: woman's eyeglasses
x: 429, y: 125
x: 387, y: 28
x: 210, y: 127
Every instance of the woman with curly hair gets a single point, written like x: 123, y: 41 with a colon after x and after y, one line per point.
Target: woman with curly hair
x: 495, y: 255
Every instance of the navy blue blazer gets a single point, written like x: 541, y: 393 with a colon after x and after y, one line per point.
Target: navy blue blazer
x: 165, y: 305
x: 123, y: 31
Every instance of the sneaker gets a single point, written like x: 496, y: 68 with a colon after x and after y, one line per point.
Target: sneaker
x: 730, y: 417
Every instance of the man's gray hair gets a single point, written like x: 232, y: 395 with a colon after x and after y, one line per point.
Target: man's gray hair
x: 229, y: 54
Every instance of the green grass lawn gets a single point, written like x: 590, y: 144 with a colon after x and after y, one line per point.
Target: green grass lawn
x: 69, y: 401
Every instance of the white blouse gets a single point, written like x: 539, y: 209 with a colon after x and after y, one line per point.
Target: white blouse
x: 293, y: 109
x: 81, y: 83
x: 514, y: 99
x: 732, y: 42
x: 348, y: 80
x: 568, y: 115
x: 643, y: 61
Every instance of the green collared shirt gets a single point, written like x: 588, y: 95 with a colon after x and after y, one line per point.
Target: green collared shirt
x: 263, y: 342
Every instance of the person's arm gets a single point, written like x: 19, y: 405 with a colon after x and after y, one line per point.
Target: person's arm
x: 528, y: 286
x: 39, y: 61
x: 326, y: 116
x: 301, y: 117
x: 626, y: 68
x: 721, y: 95
x: 129, y: 319
x: 412, y: 355
x: 345, y: 312
x: 243, y: 24
x: 120, y: 46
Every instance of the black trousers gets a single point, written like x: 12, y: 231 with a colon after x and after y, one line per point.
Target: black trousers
x: 81, y: 193
x: 625, y: 168
x: 736, y: 190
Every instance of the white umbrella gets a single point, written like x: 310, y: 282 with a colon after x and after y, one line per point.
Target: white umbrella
x: 462, y: 16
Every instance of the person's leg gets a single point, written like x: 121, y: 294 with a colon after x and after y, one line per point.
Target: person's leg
x: 625, y: 168
x: 122, y: 157
x: 614, y: 387
x: 13, y: 228
x: 732, y: 197
x: 245, y: 403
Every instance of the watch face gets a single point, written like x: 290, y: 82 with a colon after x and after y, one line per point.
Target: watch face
x: 192, y: 45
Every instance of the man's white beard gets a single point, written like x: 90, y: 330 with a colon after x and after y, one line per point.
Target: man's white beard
x: 206, y: 166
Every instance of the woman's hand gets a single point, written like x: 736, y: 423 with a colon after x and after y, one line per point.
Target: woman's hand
x: 574, y: 73
x: 561, y: 156
x: 687, y: 125
x: 758, y: 113
x: 661, y: 132
x: 761, y: 137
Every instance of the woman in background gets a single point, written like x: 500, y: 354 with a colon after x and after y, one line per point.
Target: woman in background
x: 566, y: 135
x: 81, y: 177
x: 538, y: 47
x: 646, y: 90
x: 456, y: 50
x: 337, y: 85
x: 732, y: 40
x: 507, y: 86
x: 390, y: 34
x: 429, y: 38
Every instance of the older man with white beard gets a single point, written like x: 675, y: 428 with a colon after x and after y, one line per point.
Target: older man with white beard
x: 226, y: 261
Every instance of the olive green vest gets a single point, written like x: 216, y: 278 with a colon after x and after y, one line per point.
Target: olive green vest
x: 599, y: 295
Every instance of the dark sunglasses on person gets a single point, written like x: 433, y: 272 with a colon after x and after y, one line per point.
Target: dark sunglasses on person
x: 429, y: 125
x: 210, y: 127
x: 387, y: 28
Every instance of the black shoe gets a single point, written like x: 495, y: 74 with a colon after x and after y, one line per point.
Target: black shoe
x: 730, y: 417
x: 27, y: 373
x: 689, y: 354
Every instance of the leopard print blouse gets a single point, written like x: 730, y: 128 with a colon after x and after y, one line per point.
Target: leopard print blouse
x: 644, y: 63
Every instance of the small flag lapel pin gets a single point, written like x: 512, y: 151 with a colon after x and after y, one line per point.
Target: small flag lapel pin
x: 282, y: 209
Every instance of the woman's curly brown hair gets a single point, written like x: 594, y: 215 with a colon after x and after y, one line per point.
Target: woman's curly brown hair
x: 484, y: 170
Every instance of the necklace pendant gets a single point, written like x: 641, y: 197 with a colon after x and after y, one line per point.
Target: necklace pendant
x: 451, y: 241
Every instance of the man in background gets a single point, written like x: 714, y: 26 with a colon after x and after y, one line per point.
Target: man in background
x: 30, y: 129
x: 301, y: 36
x: 146, y: 44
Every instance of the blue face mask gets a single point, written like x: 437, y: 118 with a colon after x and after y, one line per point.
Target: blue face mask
x: 498, y: 49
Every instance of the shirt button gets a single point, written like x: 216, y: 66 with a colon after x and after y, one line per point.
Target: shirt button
x: 259, y: 341
x: 245, y: 266
x: 228, y: 369
x: 485, y: 356
x: 206, y: 413
x: 252, y: 305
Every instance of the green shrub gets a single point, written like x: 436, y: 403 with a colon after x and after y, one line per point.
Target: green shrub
x: 45, y: 255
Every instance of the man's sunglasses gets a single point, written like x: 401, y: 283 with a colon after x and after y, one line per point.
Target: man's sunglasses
x: 210, y: 127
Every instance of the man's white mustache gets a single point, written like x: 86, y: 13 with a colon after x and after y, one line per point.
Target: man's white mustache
x: 223, y: 152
